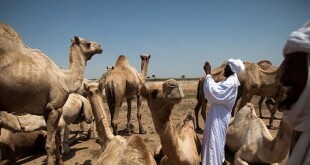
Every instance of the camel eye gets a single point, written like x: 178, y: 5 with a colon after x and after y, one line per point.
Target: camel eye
x: 88, y: 44
x: 154, y: 93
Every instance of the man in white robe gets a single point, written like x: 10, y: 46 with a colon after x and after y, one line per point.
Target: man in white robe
x: 296, y: 78
x: 222, y: 97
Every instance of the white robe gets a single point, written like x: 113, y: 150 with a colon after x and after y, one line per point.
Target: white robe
x: 222, y: 97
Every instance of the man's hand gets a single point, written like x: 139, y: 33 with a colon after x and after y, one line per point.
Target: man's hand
x: 207, y: 67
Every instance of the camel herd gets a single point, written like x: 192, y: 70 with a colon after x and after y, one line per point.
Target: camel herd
x: 39, y: 100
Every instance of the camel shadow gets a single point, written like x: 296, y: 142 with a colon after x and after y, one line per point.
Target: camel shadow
x: 72, y: 153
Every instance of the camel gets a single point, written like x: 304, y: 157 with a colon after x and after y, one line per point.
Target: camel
x: 125, y: 82
x: 116, y: 149
x: 76, y: 109
x: 180, y: 144
x: 254, y: 81
x: 36, y: 85
x: 18, y: 145
x: 251, y: 141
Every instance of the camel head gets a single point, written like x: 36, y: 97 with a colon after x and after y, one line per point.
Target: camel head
x: 145, y: 58
x: 109, y: 68
x: 93, y: 88
x: 88, y: 47
x: 162, y: 95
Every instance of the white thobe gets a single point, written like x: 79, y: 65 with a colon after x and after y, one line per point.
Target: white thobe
x: 222, y: 97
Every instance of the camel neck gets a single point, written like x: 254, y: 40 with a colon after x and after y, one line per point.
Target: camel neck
x: 169, y: 140
x: 101, y: 119
x: 280, y: 145
x: 74, y: 76
x: 144, y: 66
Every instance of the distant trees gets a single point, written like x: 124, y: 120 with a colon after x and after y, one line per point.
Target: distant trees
x: 183, y: 76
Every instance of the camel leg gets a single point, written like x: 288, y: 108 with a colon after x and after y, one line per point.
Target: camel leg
x: 204, y: 110
x: 52, y: 121
x: 237, y: 158
x: 272, y: 110
x: 58, y: 144
x: 64, y: 135
x: 244, y: 99
x: 139, y: 115
x: 128, y: 130
x: 114, y: 117
x: 260, y: 102
x: 234, y: 107
x: 196, y: 109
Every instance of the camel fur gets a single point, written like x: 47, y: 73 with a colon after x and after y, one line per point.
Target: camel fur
x: 251, y: 141
x: 180, y: 144
x: 125, y: 82
x: 36, y: 85
x: 18, y: 145
x: 116, y: 149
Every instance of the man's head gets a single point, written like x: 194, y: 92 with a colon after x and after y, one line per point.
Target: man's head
x: 227, y: 71
x: 233, y: 66
x: 295, y: 65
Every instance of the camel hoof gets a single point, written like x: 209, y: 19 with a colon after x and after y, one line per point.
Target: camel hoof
x: 65, y: 152
x: 272, y: 127
x: 59, y: 161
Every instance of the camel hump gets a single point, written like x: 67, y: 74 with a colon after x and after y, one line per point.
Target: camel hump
x: 121, y: 61
x: 9, y: 39
x: 9, y: 32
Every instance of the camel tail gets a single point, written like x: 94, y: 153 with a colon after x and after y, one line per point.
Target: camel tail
x: 110, y: 95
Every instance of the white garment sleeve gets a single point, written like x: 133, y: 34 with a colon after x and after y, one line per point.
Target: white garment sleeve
x: 218, y: 93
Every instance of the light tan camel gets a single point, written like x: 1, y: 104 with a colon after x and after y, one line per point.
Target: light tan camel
x: 76, y: 109
x: 116, y: 149
x: 251, y: 141
x: 36, y: 85
x: 180, y: 145
x: 18, y: 145
x: 125, y: 82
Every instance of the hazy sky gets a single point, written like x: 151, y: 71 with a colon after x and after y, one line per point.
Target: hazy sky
x: 180, y: 35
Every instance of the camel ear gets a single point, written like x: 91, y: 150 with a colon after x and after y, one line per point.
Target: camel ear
x: 144, y: 92
x: 100, y: 86
x: 85, y: 87
x: 75, y: 39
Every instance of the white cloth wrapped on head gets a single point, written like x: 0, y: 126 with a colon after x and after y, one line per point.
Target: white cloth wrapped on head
x: 236, y: 65
x: 299, y: 41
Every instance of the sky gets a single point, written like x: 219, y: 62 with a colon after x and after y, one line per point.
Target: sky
x: 180, y: 35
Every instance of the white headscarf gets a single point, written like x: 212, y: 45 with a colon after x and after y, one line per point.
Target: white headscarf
x: 299, y: 41
x: 298, y: 117
x: 236, y: 65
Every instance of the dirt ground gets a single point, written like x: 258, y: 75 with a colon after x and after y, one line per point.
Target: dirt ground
x: 87, y: 152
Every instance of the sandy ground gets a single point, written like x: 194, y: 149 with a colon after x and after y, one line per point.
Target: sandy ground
x: 87, y: 152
